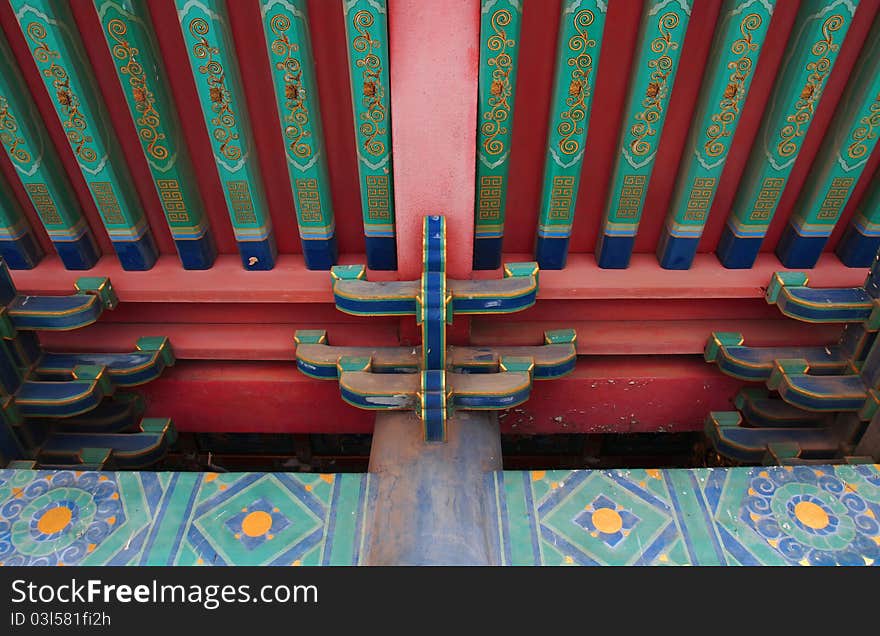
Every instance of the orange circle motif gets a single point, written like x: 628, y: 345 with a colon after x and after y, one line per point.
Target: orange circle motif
x: 607, y: 521
x: 256, y: 524
x: 811, y: 515
x: 54, y: 520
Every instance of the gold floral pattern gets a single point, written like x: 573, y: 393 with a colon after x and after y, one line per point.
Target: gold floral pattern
x: 500, y: 88
x: 735, y: 91
x: 72, y: 119
x: 297, y: 117
x: 221, y: 102
x: 578, y: 88
x: 818, y: 73
x: 657, y: 90
x: 9, y: 134
x: 373, y: 93
x: 149, y: 121
x: 866, y: 132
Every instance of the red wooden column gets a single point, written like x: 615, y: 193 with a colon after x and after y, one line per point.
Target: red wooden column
x: 434, y: 58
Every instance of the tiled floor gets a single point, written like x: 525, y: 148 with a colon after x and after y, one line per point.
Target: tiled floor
x: 774, y: 516
x: 49, y: 518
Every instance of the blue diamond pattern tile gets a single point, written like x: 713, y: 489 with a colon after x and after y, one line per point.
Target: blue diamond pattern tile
x: 802, y: 515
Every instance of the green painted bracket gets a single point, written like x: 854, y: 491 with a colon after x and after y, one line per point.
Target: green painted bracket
x: 789, y: 292
x: 348, y: 272
x: 560, y: 336
x: 517, y: 364
x: 786, y: 367
x: 781, y: 280
x: 100, y: 287
x: 310, y: 336
x: 160, y: 345
x: 97, y: 374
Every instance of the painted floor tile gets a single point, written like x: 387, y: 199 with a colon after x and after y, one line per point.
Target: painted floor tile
x: 825, y: 515
x: 142, y: 518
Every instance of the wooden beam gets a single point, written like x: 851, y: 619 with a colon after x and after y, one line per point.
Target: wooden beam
x: 603, y: 395
x: 434, y: 54
x: 290, y: 282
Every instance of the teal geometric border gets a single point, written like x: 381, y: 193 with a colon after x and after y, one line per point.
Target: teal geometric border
x: 791, y: 515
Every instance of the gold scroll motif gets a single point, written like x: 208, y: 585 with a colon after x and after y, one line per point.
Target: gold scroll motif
x: 865, y: 133
x: 297, y: 117
x: 806, y: 103
x: 652, y: 102
x: 835, y: 199
x: 561, y: 195
x: 145, y: 102
x: 72, y: 120
x: 9, y: 134
x: 578, y: 87
x: 490, y: 197
x: 373, y: 93
x: 43, y: 203
x: 224, y: 120
x: 500, y: 89
x: 734, y: 92
x: 698, y: 202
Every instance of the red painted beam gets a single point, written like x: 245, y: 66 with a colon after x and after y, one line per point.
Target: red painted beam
x: 217, y: 342
x: 229, y: 314
x: 655, y: 337
x: 434, y: 57
x: 290, y: 282
x: 225, y: 282
x: 639, y: 394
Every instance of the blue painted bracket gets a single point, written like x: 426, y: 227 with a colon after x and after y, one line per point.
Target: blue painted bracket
x: 757, y: 363
x: 826, y: 393
x: 59, y: 407
x: 153, y: 355
x: 434, y: 380
x: 355, y: 295
x: 789, y: 454
x: 403, y: 392
x: 88, y: 386
x: 120, y: 413
x: 11, y: 446
x: 316, y: 358
x: 128, y: 450
x: 53, y: 313
x: 86, y: 458
x: 835, y: 388
x: 760, y: 410
x: 789, y: 292
x: 730, y: 437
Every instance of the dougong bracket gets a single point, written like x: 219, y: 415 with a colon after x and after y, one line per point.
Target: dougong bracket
x: 435, y: 380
